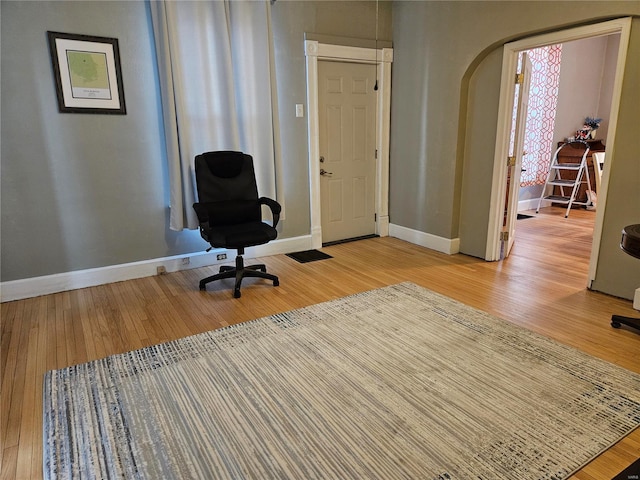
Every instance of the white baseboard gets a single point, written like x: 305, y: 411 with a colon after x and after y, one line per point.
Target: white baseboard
x: 440, y: 244
x: 636, y: 299
x: 532, y: 204
x: 60, y: 282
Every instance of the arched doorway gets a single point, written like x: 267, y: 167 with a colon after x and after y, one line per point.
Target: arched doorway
x: 499, y: 184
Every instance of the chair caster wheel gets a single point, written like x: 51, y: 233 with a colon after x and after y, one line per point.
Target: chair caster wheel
x: 615, y: 324
x: 276, y: 283
x: 236, y: 293
x: 203, y: 288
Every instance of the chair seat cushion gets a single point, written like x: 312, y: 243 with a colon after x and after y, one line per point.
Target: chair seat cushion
x: 241, y: 235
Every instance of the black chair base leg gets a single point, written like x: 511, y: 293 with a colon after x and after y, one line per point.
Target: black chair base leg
x: 218, y: 276
x: 618, y: 320
x: 240, y: 272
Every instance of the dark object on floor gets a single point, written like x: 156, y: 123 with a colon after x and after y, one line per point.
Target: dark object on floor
x: 308, y: 256
x: 230, y: 212
x: 630, y: 243
x: 347, y: 240
x: 522, y: 216
x: 632, y: 472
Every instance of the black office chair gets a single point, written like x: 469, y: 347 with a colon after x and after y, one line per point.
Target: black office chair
x: 230, y: 212
x: 630, y: 244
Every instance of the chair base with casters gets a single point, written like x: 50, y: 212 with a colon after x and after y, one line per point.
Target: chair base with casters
x: 239, y: 272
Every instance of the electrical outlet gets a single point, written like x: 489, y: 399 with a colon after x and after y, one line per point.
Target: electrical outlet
x: 186, y: 261
x: 221, y: 256
x: 161, y: 270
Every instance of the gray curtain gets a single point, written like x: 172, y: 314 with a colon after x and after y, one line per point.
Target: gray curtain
x: 215, y: 63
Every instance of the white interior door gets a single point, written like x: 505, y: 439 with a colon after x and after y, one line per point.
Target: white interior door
x: 522, y: 85
x: 347, y: 122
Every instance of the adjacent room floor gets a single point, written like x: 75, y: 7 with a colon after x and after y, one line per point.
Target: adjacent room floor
x: 561, y: 244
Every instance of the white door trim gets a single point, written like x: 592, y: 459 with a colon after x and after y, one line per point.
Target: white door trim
x: 383, y: 58
x: 509, y: 62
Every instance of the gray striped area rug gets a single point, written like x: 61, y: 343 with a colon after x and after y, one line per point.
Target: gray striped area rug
x: 394, y: 383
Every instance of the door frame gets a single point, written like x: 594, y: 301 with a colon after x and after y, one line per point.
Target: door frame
x: 509, y: 64
x: 382, y: 58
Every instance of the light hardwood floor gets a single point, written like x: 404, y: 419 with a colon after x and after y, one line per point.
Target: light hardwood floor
x: 541, y: 286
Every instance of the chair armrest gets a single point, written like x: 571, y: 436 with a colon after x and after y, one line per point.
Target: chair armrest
x: 202, y: 212
x: 274, y: 206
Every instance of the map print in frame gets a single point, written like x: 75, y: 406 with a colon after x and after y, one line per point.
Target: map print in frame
x: 87, y: 73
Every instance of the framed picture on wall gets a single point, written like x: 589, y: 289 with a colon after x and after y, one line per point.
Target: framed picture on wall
x: 87, y: 73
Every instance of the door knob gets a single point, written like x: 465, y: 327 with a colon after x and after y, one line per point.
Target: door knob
x: 324, y: 173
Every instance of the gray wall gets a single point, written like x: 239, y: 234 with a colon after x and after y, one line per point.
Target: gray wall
x: 585, y: 91
x: 608, y: 79
x: 618, y: 273
x: 82, y: 191
x: 449, y: 54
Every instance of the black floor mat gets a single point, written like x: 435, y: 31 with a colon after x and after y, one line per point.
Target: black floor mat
x: 308, y: 256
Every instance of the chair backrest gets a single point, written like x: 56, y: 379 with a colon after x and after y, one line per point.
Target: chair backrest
x: 225, y: 175
x: 228, y: 179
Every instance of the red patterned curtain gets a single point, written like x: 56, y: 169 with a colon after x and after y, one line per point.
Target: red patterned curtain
x: 541, y: 114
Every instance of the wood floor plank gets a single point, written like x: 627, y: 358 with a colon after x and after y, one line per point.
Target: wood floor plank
x: 30, y: 438
x: 60, y: 326
x: 541, y: 286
